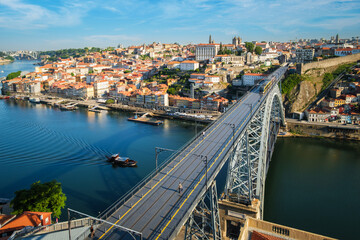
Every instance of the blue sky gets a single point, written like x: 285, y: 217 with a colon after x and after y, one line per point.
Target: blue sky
x: 56, y: 24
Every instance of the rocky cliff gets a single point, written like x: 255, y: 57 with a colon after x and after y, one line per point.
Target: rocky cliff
x: 306, y: 91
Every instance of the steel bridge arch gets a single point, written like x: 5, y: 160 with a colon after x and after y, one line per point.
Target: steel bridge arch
x: 252, y: 150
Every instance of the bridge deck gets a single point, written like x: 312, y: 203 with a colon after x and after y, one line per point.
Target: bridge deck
x: 157, y: 210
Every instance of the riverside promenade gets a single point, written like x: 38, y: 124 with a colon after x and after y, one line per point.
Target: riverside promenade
x: 322, y: 129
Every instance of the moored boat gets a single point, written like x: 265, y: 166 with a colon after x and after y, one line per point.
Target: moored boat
x: 115, y: 159
x: 34, y: 100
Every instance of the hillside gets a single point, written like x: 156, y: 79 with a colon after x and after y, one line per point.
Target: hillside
x: 300, y: 90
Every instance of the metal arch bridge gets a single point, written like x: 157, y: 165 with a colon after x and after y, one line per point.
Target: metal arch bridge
x: 30, y: 54
x: 245, y: 135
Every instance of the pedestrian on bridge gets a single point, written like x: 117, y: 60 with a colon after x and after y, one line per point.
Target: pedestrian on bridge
x: 92, y: 232
x: 180, y: 187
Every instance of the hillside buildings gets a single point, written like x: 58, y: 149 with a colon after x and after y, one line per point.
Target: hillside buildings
x: 305, y: 55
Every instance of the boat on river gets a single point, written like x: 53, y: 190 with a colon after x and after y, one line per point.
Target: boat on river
x: 145, y: 119
x: 34, y: 100
x: 115, y: 159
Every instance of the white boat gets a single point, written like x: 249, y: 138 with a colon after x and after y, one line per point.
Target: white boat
x: 34, y: 100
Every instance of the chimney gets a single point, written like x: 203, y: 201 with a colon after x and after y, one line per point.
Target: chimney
x: 42, y: 219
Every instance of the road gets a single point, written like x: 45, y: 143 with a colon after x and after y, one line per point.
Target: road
x: 151, y: 210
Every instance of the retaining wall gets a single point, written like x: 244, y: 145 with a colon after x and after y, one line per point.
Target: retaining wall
x: 302, y: 68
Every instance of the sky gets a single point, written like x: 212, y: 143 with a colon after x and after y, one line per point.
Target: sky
x: 58, y: 24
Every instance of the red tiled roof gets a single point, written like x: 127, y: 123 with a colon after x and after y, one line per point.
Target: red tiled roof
x: 25, y: 219
x: 255, y: 74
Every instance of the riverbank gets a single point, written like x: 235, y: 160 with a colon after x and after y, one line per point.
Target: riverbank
x: 297, y: 128
x: 200, y: 116
x: 5, y: 61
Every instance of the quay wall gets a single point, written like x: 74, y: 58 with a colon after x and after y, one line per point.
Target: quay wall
x: 302, y: 68
x: 308, y: 129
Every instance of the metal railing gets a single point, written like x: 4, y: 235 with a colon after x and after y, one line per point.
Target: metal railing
x: 96, y: 222
x: 54, y: 227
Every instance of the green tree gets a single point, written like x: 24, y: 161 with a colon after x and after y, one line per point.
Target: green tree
x: 110, y: 101
x: 249, y: 46
x: 41, y: 197
x: 290, y: 82
x: 10, y: 58
x: 171, y: 91
x: 13, y: 75
x: 328, y: 78
x: 258, y: 50
x: 238, y: 52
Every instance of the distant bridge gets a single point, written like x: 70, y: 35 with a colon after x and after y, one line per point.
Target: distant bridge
x: 244, y: 136
x: 25, y: 55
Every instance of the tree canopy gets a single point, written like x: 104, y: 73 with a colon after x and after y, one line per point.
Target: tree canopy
x: 249, y: 46
x: 224, y: 51
x: 13, y: 75
x: 71, y: 52
x: 290, y: 82
x: 41, y: 197
x: 10, y: 58
x: 258, y: 50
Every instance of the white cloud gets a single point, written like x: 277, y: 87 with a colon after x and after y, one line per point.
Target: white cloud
x: 17, y: 14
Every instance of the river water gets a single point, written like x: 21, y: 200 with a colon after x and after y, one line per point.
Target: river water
x: 18, y: 65
x: 312, y: 184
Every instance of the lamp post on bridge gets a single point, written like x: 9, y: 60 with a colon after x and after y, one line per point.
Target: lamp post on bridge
x: 250, y: 105
x: 232, y: 125
x: 158, y: 150
x: 205, y: 160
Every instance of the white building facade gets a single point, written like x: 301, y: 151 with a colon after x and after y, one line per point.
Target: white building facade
x: 248, y: 79
x: 101, y: 88
x: 189, y: 65
x: 206, y: 51
x: 304, y: 55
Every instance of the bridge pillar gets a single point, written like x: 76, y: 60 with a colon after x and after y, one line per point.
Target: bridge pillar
x: 204, y: 222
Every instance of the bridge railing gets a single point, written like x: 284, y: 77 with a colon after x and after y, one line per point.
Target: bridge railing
x: 118, y: 203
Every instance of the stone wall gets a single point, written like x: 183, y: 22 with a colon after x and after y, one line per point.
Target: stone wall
x: 323, y: 130
x: 302, y: 68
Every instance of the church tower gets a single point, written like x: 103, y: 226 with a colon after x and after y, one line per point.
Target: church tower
x: 210, y: 40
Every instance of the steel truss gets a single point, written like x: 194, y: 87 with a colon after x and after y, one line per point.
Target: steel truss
x: 249, y: 161
x: 204, y: 221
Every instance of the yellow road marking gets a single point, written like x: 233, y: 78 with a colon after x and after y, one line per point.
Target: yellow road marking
x: 168, y: 174
x: 207, y: 170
